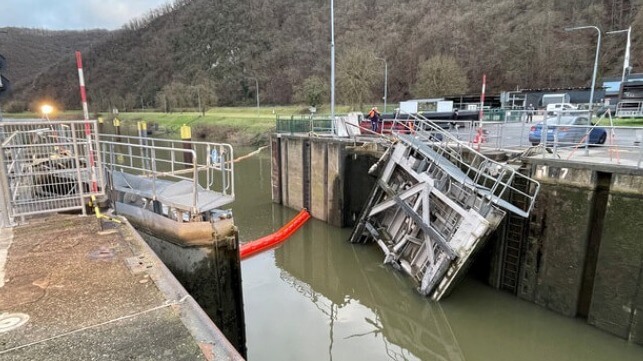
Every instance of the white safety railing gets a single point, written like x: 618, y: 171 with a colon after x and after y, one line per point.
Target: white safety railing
x: 154, y: 163
x: 48, y: 166
x: 629, y: 108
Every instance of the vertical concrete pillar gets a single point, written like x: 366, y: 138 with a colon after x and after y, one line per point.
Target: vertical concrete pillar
x: 319, y: 179
x: 276, y: 181
x: 295, y: 169
x: 335, y: 183
x: 617, y: 301
x: 558, y: 239
x: 284, y: 170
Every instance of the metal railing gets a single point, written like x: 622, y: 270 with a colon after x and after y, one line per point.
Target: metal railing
x: 48, y: 166
x: 629, y: 108
x: 208, y: 166
x: 309, y: 124
x: 513, y: 129
x: 495, y: 181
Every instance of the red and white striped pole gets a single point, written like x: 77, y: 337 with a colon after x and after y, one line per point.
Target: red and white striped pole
x: 484, y: 85
x: 479, y: 138
x: 88, y: 131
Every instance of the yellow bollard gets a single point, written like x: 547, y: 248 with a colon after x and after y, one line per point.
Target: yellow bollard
x: 117, y: 126
x: 186, y: 137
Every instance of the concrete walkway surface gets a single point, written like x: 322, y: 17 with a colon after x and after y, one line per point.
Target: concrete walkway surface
x: 74, y: 291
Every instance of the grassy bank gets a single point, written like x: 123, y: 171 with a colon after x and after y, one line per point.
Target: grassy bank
x: 237, y: 125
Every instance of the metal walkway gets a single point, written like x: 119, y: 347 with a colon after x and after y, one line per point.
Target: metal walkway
x: 179, y: 179
x: 435, y: 202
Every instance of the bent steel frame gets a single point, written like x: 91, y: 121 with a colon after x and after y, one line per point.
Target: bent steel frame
x: 435, y: 202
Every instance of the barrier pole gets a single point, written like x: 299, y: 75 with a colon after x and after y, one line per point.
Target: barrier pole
x: 480, y: 133
x: 88, y: 133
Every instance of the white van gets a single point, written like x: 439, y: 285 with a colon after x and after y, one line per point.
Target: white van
x: 556, y: 107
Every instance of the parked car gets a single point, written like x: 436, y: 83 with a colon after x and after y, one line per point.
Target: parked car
x: 569, y: 130
x: 556, y: 107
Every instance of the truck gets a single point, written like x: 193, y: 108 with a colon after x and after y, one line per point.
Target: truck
x: 557, y: 98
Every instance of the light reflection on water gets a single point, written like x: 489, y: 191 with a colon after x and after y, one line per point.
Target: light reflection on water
x: 318, y: 297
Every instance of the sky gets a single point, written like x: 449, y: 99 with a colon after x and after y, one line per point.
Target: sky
x: 73, y: 14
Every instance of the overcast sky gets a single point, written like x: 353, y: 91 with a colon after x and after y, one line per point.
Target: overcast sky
x: 73, y: 14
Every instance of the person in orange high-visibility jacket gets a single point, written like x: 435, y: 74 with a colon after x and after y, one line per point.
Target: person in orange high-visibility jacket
x: 374, y: 117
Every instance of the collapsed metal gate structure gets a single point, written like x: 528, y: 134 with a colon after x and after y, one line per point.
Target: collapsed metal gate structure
x: 435, y: 202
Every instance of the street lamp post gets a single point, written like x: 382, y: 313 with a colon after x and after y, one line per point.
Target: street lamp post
x: 256, y: 91
x: 598, y: 49
x: 385, y: 81
x: 332, y: 67
x: 626, y: 60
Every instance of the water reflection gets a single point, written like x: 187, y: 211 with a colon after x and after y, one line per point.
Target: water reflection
x: 317, y: 297
x: 346, y: 285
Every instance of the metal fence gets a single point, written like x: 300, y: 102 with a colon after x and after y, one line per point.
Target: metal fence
x: 294, y: 124
x: 570, y: 135
x: 48, y: 166
x: 518, y: 130
x: 206, y: 169
x: 496, y: 181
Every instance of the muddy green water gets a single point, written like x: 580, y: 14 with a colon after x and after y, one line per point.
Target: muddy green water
x: 317, y: 297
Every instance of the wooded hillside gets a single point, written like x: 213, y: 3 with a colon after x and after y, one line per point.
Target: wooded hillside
x: 213, y: 50
x: 30, y: 52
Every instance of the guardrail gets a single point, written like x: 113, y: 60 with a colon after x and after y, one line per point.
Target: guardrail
x: 48, y: 166
x: 209, y: 166
x: 494, y: 180
x: 601, y: 140
x: 511, y: 129
x: 294, y: 124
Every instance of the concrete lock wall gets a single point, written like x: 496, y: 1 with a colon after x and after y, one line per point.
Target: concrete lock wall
x: 617, y: 302
x: 557, y: 239
x: 309, y: 173
x: 583, y: 254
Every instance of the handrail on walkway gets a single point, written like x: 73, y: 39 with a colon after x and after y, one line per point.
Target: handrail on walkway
x: 208, y: 166
x: 492, y: 179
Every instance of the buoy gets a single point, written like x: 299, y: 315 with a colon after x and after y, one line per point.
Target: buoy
x: 271, y: 240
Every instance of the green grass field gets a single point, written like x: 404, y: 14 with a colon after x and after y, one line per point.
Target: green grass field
x: 246, y: 118
x: 243, y: 125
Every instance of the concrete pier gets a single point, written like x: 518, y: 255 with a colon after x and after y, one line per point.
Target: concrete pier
x: 76, y: 290
x: 310, y: 173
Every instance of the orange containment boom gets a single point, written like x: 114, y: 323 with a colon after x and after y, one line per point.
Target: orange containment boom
x: 271, y: 240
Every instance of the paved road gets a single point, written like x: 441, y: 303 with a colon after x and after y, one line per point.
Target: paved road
x: 512, y: 135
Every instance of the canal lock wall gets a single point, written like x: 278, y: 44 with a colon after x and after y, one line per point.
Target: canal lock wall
x: 580, y: 253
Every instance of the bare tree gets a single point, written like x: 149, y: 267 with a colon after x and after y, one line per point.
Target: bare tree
x: 356, y: 76
x: 438, y: 76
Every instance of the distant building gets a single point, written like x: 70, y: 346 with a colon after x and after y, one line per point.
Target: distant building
x: 520, y: 99
x: 614, y: 93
